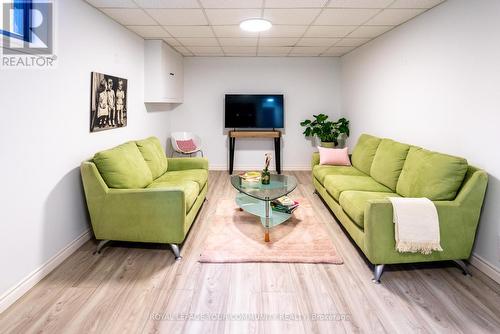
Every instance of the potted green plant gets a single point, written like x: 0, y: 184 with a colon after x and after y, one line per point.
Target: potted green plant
x: 327, y: 131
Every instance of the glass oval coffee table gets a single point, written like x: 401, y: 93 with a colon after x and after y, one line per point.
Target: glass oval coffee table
x: 256, y: 198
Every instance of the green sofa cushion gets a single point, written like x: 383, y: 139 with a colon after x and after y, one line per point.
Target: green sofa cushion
x: 336, y: 184
x: 199, y: 176
x: 433, y: 175
x: 354, y: 203
x: 191, y: 189
x: 123, y: 167
x: 154, y: 155
x: 388, y: 162
x: 321, y: 171
x: 364, y: 152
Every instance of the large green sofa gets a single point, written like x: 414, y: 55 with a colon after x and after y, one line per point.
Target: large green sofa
x: 135, y: 193
x: 382, y: 168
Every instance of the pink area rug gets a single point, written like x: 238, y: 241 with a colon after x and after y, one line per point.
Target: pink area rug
x: 237, y: 236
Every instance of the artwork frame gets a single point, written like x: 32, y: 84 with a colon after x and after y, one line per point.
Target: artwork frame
x: 108, y: 102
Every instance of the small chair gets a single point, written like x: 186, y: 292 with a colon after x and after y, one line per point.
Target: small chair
x: 185, y: 143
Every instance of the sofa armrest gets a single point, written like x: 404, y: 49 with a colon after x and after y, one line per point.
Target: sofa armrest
x: 187, y: 163
x: 457, y: 234
x: 315, y: 159
x: 458, y: 221
x: 148, y: 215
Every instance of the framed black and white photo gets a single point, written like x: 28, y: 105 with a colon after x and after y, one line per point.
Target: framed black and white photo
x: 108, y: 105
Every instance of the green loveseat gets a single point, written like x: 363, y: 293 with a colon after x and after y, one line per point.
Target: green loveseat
x: 135, y: 193
x: 382, y: 168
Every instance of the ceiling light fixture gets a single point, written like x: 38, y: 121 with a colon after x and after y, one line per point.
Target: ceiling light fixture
x: 255, y: 25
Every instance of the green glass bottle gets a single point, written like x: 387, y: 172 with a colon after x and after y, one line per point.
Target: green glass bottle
x: 265, y: 176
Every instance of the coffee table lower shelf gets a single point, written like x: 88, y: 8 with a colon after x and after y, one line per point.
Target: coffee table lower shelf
x: 262, y: 209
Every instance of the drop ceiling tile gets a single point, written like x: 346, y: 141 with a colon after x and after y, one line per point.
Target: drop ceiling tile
x: 278, y: 41
x: 112, y: 3
x: 319, y: 41
x: 190, y: 31
x: 394, y: 16
x: 240, y: 50
x: 295, y: 3
x: 232, y: 31
x: 274, y: 51
x: 329, y: 31
x: 172, y: 41
x: 129, y: 17
x: 345, y: 16
x: 232, y: 3
x: 370, y: 31
x: 308, y: 50
x: 167, y: 3
x: 149, y: 31
x: 184, y: 51
x: 232, y: 41
x: 294, y: 16
x: 352, y: 41
x: 284, y: 31
x: 359, y: 3
x: 181, y: 17
x: 206, y: 50
x: 230, y: 16
x: 415, y: 3
x: 198, y: 41
x: 337, y: 51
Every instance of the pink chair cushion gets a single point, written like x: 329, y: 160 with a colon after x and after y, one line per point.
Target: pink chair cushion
x: 334, y: 156
x: 186, y: 145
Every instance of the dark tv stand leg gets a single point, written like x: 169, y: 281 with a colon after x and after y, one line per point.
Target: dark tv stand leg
x: 231, y: 154
x: 277, y: 149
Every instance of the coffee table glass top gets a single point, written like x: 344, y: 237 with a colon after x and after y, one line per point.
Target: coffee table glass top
x: 280, y: 185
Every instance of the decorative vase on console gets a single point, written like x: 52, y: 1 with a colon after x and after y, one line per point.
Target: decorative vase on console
x: 266, y: 175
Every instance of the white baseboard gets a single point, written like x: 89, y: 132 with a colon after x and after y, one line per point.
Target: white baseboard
x: 485, y: 267
x: 16, y: 292
x: 287, y: 168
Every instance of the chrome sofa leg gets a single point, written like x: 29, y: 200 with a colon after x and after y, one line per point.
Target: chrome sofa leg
x: 176, y: 250
x: 377, y: 273
x: 463, y: 266
x: 100, y: 246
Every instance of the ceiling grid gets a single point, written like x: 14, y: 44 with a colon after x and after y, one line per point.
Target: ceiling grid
x: 310, y: 28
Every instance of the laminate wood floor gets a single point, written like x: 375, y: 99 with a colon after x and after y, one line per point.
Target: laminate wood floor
x: 132, y: 288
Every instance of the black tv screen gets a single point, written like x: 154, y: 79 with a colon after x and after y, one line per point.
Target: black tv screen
x: 254, y: 111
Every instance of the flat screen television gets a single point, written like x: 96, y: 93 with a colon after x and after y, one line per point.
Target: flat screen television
x: 254, y: 111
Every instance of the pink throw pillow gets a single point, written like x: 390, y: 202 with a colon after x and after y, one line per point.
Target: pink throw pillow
x: 186, y: 145
x: 334, y: 156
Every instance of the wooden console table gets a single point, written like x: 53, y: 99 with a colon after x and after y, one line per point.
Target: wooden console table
x: 276, y: 135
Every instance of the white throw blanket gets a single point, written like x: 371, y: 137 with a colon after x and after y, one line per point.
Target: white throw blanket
x: 416, y: 225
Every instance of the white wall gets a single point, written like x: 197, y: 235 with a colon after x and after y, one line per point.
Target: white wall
x: 44, y: 135
x: 435, y: 82
x: 309, y: 85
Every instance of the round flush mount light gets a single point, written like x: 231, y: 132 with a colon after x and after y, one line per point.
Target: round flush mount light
x: 255, y: 25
